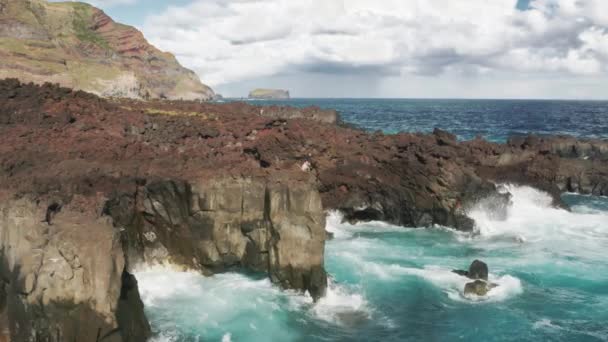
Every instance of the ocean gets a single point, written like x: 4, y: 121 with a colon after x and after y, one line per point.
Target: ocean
x: 391, y: 283
x: 494, y: 120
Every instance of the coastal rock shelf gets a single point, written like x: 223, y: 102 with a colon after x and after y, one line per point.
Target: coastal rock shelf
x: 90, y: 189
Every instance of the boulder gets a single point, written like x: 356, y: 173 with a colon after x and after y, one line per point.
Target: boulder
x: 477, y: 287
x: 477, y: 271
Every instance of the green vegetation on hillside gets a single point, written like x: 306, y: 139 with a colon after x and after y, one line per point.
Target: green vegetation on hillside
x: 82, y: 22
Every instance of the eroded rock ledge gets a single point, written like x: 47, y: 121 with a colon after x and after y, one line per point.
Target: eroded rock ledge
x: 91, y: 188
x: 215, y: 225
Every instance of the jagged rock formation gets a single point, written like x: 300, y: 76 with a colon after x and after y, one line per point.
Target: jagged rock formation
x: 79, y: 46
x: 554, y: 164
x: 220, y: 186
x: 215, y: 225
x: 269, y: 94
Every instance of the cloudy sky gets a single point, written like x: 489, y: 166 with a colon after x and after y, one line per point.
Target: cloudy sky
x: 384, y: 48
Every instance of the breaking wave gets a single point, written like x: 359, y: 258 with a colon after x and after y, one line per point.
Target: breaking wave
x: 383, y: 274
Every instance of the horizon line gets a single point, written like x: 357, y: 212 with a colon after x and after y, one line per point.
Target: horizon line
x: 425, y: 98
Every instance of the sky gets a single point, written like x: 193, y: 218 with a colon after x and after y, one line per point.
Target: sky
x: 554, y: 49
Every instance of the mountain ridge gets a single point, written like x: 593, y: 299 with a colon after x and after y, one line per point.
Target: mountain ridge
x: 79, y: 46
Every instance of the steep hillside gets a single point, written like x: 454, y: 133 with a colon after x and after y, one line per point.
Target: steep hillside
x: 79, y: 46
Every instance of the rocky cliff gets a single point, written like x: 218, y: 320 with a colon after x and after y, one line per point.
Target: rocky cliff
x: 269, y: 94
x: 79, y: 46
x: 213, y: 225
x: 118, y: 167
x: 91, y: 189
x: 63, y: 276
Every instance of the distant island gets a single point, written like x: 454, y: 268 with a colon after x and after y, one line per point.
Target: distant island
x: 269, y: 94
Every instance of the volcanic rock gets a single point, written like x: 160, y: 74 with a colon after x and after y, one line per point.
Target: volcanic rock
x: 91, y: 188
x: 477, y: 287
x: 477, y: 270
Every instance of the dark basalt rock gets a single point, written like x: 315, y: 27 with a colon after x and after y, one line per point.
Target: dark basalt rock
x: 477, y: 270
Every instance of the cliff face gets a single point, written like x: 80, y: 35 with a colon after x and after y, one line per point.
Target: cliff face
x: 79, y: 46
x: 61, y: 275
x: 269, y: 94
x: 91, y: 189
x: 213, y: 225
x: 115, y: 167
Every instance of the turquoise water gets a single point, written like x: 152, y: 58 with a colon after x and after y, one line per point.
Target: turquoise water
x: 395, y: 284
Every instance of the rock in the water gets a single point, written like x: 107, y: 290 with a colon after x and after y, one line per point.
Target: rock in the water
x: 478, y: 288
x: 478, y: 270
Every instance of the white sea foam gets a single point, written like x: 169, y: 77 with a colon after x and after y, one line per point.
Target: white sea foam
x: 221, y: 299
x: 342, y: 306
x: 334, y: 225
x: 164, y: 337
x: 544, y: 323
x: 450, y: 283
x: 233, y: 305
x: 532, y: 218
x: 342, y: 230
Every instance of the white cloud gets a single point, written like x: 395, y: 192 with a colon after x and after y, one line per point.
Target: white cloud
x: 234, y: 41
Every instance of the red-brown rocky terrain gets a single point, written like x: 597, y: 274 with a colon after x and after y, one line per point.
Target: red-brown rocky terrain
x: 92, y: 188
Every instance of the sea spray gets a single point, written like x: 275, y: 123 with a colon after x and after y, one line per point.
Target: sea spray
x: 397, y: 283
x: 231, y: 306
